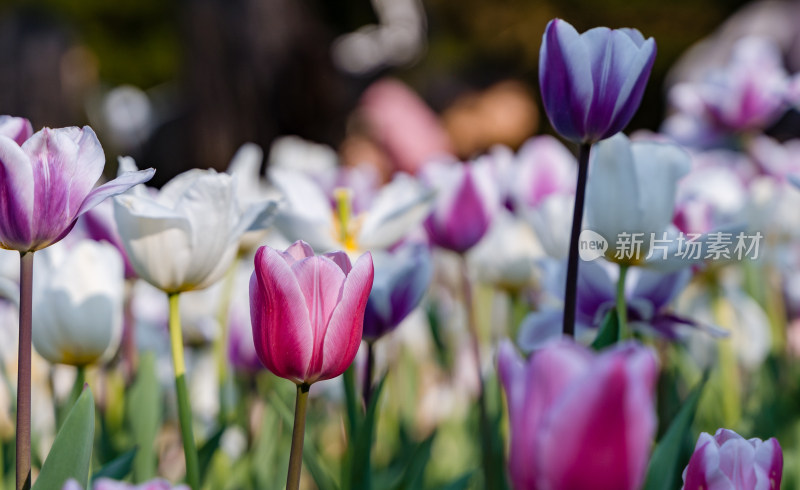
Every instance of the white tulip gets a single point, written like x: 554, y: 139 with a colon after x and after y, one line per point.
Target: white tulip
x: 631, y: 189
x: 186, y: 236
x: 77, y: 302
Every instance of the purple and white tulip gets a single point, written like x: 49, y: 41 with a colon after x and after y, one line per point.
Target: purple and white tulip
x: 46, y: 183
x: 592, y: 83
x: 729, y: 461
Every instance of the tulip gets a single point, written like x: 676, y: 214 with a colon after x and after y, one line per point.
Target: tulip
x: 401, y: 279
x: 46, y: 182
x: 307, y: 213
x: 186, y: 236
x: 592, y: 83
x: 465, y: 204
x: 109, y: 484
x: 307, y: 314
x: 729, y: 461
x: 77, y: 315
x: 631, y: 189
x: 578, y: 419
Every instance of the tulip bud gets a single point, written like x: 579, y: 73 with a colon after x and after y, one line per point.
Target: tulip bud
x: 307, y: 312
x: 466, y: 201
x: 727, y: 460
x: 592, y: 83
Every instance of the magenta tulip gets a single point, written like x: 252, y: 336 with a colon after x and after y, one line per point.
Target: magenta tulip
x: 466, y: 201
x: 46, y: 184
x: 579, y: 420
x: 729, y: 461
x: 308, y: 312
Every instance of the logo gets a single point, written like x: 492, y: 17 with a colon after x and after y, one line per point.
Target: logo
x: 591, y: 245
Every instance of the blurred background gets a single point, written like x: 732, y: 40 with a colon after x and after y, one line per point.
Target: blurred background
x: 181, y: 84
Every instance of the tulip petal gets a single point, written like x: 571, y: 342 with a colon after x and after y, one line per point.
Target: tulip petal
x: 114, y: 187
x: 565, y: 79
x: 282, y: 330
x: 341, y: 259
x: 343, y: 336
x: 16, y: 198
x: 299, y: 250
x: 18, y: 129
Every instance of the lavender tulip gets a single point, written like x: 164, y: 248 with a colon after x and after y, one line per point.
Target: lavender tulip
x: 729, y: 461
x: 592, y: 83
x: 578, y: 419
x: 401, y: 279
x: 47, y: 184
x: 465, y: 204
x: 18, y: 129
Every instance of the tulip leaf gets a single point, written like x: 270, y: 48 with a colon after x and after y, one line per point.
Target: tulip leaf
x: 665, y: 464
x: 415, y: 467
x: 360, y: 461
x: 117, y: 468
x: 311, y: 458
x: 609, y: 331
x: 71, y: 453
x: 461, y: 483
x: 206, y: 452
x: 351, y: 399
x: 143, y: 407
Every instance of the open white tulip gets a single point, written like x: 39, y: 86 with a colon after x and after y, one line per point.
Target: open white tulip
x: 186, y: 236
x: 631, y: 190
x: 77, y: 312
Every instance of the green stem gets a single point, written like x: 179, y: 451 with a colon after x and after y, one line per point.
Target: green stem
x: 184, y: 410
x: 23, y: 462
x: 221, y: 344
x: 485, y: 429
x: 77, y: 389
x: 622, y: 308
x: 366, y: 387
x: 298, y: 433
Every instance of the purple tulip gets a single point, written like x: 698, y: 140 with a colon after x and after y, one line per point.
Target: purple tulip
x: 729, y: 461
x: 579, y: 419
x: 592, y: 83
x: 401, y: 279
x: 46, y: 184
x: 466, y: 200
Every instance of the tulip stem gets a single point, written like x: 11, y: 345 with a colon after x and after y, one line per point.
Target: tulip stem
x: 622, y: 308
x: 571, y: 293
x: 366, y: 388
x: 24, y: 371
x: 221, y: 346
x: 298, y: 434
x: 489, y: 477
x: 184, y: 410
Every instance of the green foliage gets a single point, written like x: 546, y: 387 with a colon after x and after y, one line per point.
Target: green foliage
x: 143, y: 407
x: 71, y: 453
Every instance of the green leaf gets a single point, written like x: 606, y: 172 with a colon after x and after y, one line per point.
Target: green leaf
x: 415, y: 468
x: 460, y: 483
x: 351, y: 399
x: 117, y: 468
x: 311, y: 458
x: 609, y: 331
x: 144, y: 411
x: 360, y: 464
x: 665, y: 464
x: 71, y: 453
x: 205, y: 453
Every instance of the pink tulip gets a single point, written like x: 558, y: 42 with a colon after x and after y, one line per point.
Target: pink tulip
x: 17, y: 128
x: 308, y: 312
x: 579, y: 420
x: 729, y: 461
x: 47, y: 182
